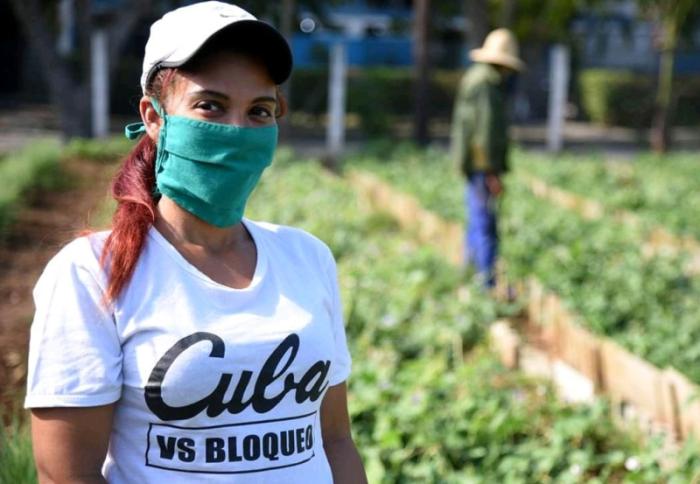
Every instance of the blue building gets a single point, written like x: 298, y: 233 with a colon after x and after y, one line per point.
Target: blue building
x: 618, y: 37
x: 372, y: 35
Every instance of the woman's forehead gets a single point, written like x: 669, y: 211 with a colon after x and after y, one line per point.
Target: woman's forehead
x: 225, y: 72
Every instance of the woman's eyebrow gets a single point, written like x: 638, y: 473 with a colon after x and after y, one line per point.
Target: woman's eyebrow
x: 208, y: 93
x: 265, y: 99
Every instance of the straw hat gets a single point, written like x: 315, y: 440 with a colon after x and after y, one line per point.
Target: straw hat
x: 500, y: 47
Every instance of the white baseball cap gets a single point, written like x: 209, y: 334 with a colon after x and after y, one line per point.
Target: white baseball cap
x: 180, y: 33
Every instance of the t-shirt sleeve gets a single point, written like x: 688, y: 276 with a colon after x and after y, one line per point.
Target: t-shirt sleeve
x: 341, y: 364
x: 75, y: 357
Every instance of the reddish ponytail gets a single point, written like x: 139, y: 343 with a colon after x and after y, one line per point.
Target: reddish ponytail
x: 132, y: 188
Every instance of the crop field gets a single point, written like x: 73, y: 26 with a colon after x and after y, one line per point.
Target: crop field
x: 648, y: 304
x: 429, y: 400
x: 660, y: 190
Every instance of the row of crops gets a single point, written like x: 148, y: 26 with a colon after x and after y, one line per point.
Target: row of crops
x: 429, y: 402
x: 661, y: 190
x: 597, y: 267
x: 38, y: 167
x: 33, y: 168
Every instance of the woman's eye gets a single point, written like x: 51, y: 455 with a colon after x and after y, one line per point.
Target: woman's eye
x: 208, y: 106
x: 261, y: 111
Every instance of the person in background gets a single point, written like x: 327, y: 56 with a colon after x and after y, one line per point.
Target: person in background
x: 189, y: 343
x: 479, y: 143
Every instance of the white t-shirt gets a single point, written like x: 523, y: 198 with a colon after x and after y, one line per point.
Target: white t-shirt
x: 211, y: 384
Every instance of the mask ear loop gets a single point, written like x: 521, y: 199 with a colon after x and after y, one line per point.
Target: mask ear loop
x: 161, y: 153
x: 159, y: 109
x: 134, y: 130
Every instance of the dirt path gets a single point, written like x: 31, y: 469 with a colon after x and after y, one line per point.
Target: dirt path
x: 51, y: 220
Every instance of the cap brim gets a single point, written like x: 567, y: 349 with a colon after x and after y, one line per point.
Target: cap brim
x: 265, y: 40
x: 480, y: 55
x: 254, y: 36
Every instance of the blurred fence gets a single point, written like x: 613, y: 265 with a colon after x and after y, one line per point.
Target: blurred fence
x: 622, y: 46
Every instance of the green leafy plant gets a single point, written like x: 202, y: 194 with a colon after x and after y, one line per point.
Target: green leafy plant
x: 34, y: 167
x: 661, y: 190
x: 16, y: 459
x: 98, y: 150
x: 378, y: 96
x: 428, y: 174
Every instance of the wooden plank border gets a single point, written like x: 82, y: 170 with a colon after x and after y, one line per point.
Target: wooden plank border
x: 654, y: 398
x: 659, y: 241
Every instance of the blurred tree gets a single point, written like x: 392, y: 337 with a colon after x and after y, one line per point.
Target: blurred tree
x: 287, y: 24
x: 421, y: 23
x: 537, y: 24
x: 477, y: 11
x: 68, y: 77
x: 671, y: 16
x: 425, y: 15
x: 539, y: 21
x: 508, y: 13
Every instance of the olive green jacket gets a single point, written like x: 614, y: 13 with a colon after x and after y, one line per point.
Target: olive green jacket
x: 479, y: 138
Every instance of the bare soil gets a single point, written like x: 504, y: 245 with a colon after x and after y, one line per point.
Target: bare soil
x: 51, y: 219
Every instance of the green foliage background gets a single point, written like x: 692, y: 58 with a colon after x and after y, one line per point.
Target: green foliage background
x: 626, y: 98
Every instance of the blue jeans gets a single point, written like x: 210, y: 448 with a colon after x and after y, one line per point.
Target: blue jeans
x: 481, y: 241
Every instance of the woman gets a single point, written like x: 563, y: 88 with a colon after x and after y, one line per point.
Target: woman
x: 189, y: 344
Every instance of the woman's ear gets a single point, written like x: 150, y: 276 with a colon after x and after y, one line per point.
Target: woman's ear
x: 150, y: 117
x: 282, y: 105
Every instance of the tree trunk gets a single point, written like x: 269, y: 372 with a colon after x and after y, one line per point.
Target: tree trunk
x: 478, y: 14
x: 67, y: 83
x: 66, y: 94
x: 420, y: 59
x: 287, y: 29
x: 508, y: 13
x: 661, y: 125
x: 661, y: 128
x: 673, y: 15
x: 122, y: 26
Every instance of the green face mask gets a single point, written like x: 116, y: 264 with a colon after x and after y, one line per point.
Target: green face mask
x: 209, y: 169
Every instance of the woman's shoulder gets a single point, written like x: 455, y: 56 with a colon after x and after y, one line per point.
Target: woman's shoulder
x: 83, y: 253
x: 288, y: 237
x: 86, y: 246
